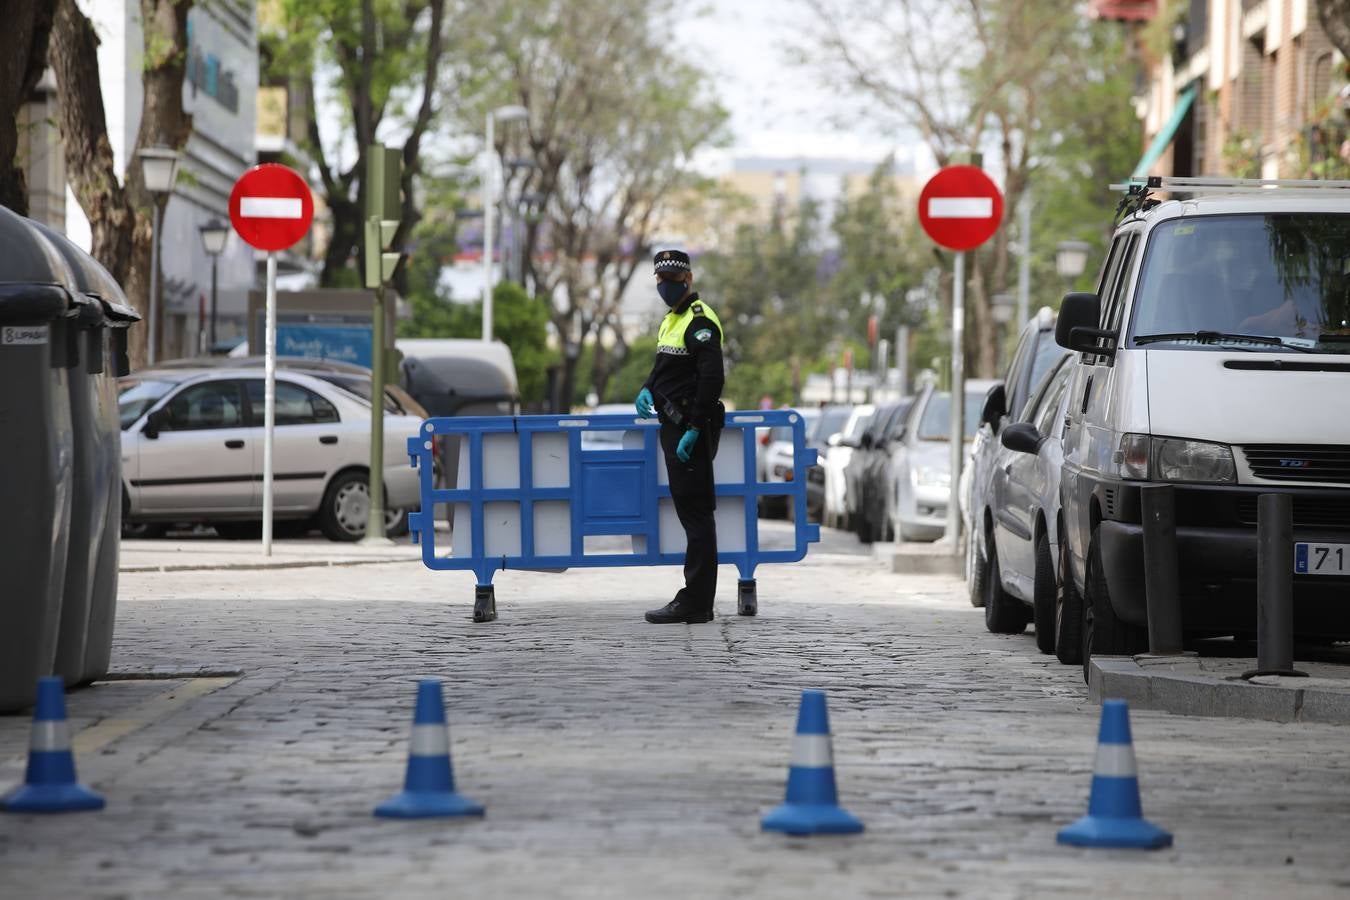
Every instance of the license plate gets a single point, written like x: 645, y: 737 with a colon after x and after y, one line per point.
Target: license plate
x: 1322, y: 559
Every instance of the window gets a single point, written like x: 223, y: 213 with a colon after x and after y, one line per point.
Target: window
x: 212, y: 404
x: 1048, y: 416
x: 936, y: 422
x: 135, y: 397
x: 1113, y: 302
x: 296, y: 405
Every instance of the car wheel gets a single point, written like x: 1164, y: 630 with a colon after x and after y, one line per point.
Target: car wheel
x: 977, y: 570
x: 346, y: 510
x: 1003, y: 613
x: 1044, y: 597
x: 1069, y: 640
x: 1104, y: 633
x: 143, y: 530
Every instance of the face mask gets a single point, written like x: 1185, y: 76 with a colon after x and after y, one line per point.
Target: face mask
x: 671, y: 291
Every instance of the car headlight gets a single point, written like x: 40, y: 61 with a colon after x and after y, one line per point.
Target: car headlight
x: 932, y: 477
x: 1175, y: 459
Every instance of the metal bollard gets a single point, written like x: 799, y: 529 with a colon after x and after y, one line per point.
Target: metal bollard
x: 1274, y: 586
x: 1161, y: 587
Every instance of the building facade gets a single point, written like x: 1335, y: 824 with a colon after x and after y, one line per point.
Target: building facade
x: 1248, y: 88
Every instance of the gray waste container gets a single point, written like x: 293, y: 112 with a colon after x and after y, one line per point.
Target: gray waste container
x: 36, y: 454
x: 84, y: 647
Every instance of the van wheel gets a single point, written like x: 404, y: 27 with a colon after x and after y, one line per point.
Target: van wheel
x: 1069, y: 642
x: 1104, y: 633
x: 1044, y: 597
x: 1003, y: 613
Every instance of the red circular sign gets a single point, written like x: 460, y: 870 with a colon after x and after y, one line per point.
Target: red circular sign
x: 271, y: 207
x: 960, y: 208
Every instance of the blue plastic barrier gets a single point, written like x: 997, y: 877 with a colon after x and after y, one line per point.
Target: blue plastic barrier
x: 529, y: 494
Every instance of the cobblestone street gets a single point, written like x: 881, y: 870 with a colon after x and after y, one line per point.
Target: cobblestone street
x: 620, y: 759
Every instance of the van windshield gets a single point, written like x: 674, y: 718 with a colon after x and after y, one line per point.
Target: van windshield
x: 1270, y: 283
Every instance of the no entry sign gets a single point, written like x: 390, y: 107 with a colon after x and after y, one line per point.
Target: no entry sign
x: 960, y: 208
x: 271, y: 207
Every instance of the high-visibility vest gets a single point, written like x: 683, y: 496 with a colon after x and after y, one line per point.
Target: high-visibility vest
x: 670, y: 339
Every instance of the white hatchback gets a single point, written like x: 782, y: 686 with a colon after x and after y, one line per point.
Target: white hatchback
x: 192, y: 451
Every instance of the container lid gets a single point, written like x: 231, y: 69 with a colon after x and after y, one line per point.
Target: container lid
x: 92, y: 279
x: 30, y: 257
x: 29, y: 304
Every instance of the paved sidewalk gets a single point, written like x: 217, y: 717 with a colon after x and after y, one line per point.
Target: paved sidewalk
x: 192, y: 554
x: 619, y: 759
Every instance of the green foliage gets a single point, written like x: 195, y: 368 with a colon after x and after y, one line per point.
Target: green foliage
x: 628, y: 379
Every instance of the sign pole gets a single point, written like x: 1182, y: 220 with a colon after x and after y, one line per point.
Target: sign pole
x: 375, y: 523
x: 958, y: 401
x: 269, y: 399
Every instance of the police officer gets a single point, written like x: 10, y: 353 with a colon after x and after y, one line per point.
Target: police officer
x: 683, y: 390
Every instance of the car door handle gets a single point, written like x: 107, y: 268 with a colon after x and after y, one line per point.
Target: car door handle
x: 235, y: 444
x: 328, y: 439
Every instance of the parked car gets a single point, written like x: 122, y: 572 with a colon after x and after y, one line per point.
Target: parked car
x: 864, y: 493
x: 838, y: 451
x: 827, y: 427
x: 778, y: 462
x: 1213, y: 357
x: 1036, y: 354
x: 192, y: 448
x: 918, y: 471
x: 1022, y: 545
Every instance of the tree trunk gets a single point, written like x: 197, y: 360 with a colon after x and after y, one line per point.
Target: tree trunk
x: 119, y: 213
x: 1334, y: 15
x: 23, y: 55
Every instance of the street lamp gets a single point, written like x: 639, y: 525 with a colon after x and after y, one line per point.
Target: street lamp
x: 505, y: 114
x: 214, y: 235
x: 159, y: 170
x: 1071, y: 258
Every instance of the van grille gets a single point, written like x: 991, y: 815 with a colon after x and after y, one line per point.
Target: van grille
x: 1309, y: 512
x: 1300, y: 462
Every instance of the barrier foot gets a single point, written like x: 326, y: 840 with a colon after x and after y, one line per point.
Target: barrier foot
x: 484, y: 603
x: 747, y: 604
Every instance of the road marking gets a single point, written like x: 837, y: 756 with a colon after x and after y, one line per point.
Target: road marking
x: 271, y: 207
x: 960, y: 207
x: 96, y: 737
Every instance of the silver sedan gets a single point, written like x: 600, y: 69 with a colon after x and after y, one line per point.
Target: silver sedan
x: 192, y: 451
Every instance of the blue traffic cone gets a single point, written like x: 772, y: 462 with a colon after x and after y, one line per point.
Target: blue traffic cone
x: 1115, y: 817
x: 50, y: 785
x: 812, y: 804
x: 429, y: 788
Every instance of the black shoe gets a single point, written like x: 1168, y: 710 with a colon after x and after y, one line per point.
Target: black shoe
x: 676, y: 612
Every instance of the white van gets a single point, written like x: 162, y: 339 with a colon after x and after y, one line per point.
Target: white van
x: 1214, y: 356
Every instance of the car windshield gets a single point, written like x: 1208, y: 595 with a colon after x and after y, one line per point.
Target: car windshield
x: 859, y: 425
x: 1281, y: 281
x: 135, y: 397
x: 936, y: 424
x: 831, y: 421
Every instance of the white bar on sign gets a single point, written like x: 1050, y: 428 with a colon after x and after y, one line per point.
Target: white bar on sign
x: 271, y: 207
x: 960, y: 207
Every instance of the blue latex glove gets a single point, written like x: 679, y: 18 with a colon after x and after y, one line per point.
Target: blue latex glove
x: 687, y: 443
x: 646, y: 407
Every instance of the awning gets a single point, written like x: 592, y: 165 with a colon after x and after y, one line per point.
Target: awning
x: 1168, y: 131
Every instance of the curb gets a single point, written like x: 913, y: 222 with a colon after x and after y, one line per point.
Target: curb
x: 1176, y: 686
x: 280, y: 564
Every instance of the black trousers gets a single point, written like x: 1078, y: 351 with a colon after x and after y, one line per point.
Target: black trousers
x: 695, y: 498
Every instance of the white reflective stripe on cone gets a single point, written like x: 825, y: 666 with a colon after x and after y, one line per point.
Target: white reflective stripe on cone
x: 429, y: 740
x: 1115, y: 761
x: 50, y: 735
x: 812, y: 751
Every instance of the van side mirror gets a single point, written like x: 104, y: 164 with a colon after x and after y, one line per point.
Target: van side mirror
x: 995, y: 406
x: 1076, y: 328
x: 1022, y: 437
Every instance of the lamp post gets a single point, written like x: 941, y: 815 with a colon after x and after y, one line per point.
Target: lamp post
x: 159, y: 169
x: 505, y: 114
x: 215, y: 234
x: 1071, y: 258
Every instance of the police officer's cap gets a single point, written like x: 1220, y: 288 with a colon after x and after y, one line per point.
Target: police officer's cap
x: 672, y: 262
